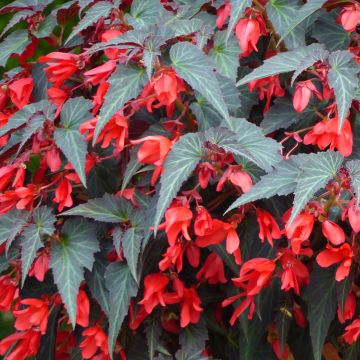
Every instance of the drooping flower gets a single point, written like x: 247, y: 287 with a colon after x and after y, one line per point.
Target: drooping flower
x: 348, y: 312
x: 26, y: 345
x: 237, y: 177
x: 3, y: 97
x: 83, y: 309
x: 219, y: 232
x: 300, y: 230
x: 61, y: 66
x: 331, y: 256
x: 99, y: 97
x: 35, y: 315
x: 326, y: 133
x: 295, y: 274
x: 108, y: 35
x: 269, y: 228
x: 100, y: 73
x: 212, y: 271
x: 9, y: 292
x: 349, y: 17
x: 173, y: 257
x: 164, y: 87
x: 63, y: 194
x: 20, y: 91
x: 94, y: 339
x: 205, y: 172
x: 222, y: 14
x: 302, y: 95
x: 333, y: 232
x: 354, y: 217
x: 352, y: 331
x: 53, y: 159
x: 177, y: 220
x: 203, y: 221
x: 40, y: 267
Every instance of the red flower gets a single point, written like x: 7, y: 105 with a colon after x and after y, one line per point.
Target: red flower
x: 326, y: 133
x: 248, y: 32
x: 3, y: 97
x: 173, y: 256
x: 237, y: 177
x: 354, y: 217
x: 333, y: 232
x: 302, y: 95
x: 349, y: 17
x: 299, y: 316
x: 94, y: 339
x: 267, y: 87
x: 212, y: 271
x: 222, y: 14
x: 20, y: 91
x: 26, y: 195
x: 99, y: 74
x: 352, y: 331
x: 203, y: 221
x: 165, y: 87
x: 331, y: 256
x: 99, y: 97
x: 219, y: 232
x: 35, y: 315
x: 205, y: 172
x: 63, y: 194
x: 83, y: 309
x: 7, y: 173
x: 8, y: 292
x: 27, y: 345
x: 154, y: 291
x: 112, y: 54
x: 349, y: 308
x: 295, y: 274
x: 60, y: 66
x: 40, y: 267
x: 177, y: 220
x: 300, y: 230
x: 53, y: 159
x: 247, y: 303
x: 269, y: 228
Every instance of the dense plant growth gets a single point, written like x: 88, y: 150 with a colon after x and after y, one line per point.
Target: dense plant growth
x: 180, y: 179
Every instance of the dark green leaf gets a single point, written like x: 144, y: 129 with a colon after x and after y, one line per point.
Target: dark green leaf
x: 283, y: 321
x: 153, y: 333
x: 69, y: 256
x: 320, y: 296
x: 353, y: 168
x: 144, y: 13
x: 15, y: 43
x: 131, y: 243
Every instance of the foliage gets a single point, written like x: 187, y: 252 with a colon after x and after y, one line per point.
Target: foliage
x: 179, y: 179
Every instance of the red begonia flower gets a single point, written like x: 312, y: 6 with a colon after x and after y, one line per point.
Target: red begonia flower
x: 354, y: 217
x: 20, y: 91
x: 83, y: 309
x: 203, y: 221
x: 99, y: 74
x: 333, y: 232
x: 63, y: 194
x: 349, y: 17
x: 94, y: 339
x: 212, y: 271
x: 53, y: 159
x: 223, y: 13
x: 237, y: 177
x: 352, y: 331
x: 269, y: 228
x: 302, y: 95
x: 8, y: 292
x: 110, y: 34
x: 40, y: 267
x: 349, y: 308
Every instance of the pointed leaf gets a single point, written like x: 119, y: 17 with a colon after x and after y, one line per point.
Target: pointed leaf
x: 144, y: 13
x: 353, y: 167
x: 178, y: 166
x: 43, y: 224
x: 197, y: 69
x: 153, y: 333
x: 125, y: 84
x: 69, y: 256
x: 281, y: 63
x: 316, y: 172
x: 131, y: 245
x: 109, y: 208
x: 225, y: 56
x: 15, y: 43
x: 237, y: 10
x: 343, y: 79
x: 320, y: 297
x: 95, y: 13
x: 122, y: 287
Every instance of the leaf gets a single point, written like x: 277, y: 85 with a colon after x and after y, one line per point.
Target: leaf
x: 282, y: 114
x: 178, y: 166
x: 328, y: 32
x: 343, y: 289
x: 96, y: 282
x: 15, y: 43
x: 122, y: 287
x: 306, y: 10
x: 237, y: 9
x: 225, y: 56
x: 343, y: 79
x: 125, y: 84
x: 17, y: 17
x: 281, y: 14
x: 281, y: 181
x: 68, y: 138
x: 353, y: 167
x: 144, y: 13
x: 95, y: 13
x: 153, y: 333
x: 281, y: 63
x: 197, y: 69
x: 11, y: 224
x: 131, y: 245
x: 283, y: 321
x: 352, y: 352
x: 320, y: 297
x: 150, y: 52
x: 109, y: 208
x: 43, y: 224
x: 316, y: 172
x: 263, y: 151
x: 69, y: 256
x: 184, y: 26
